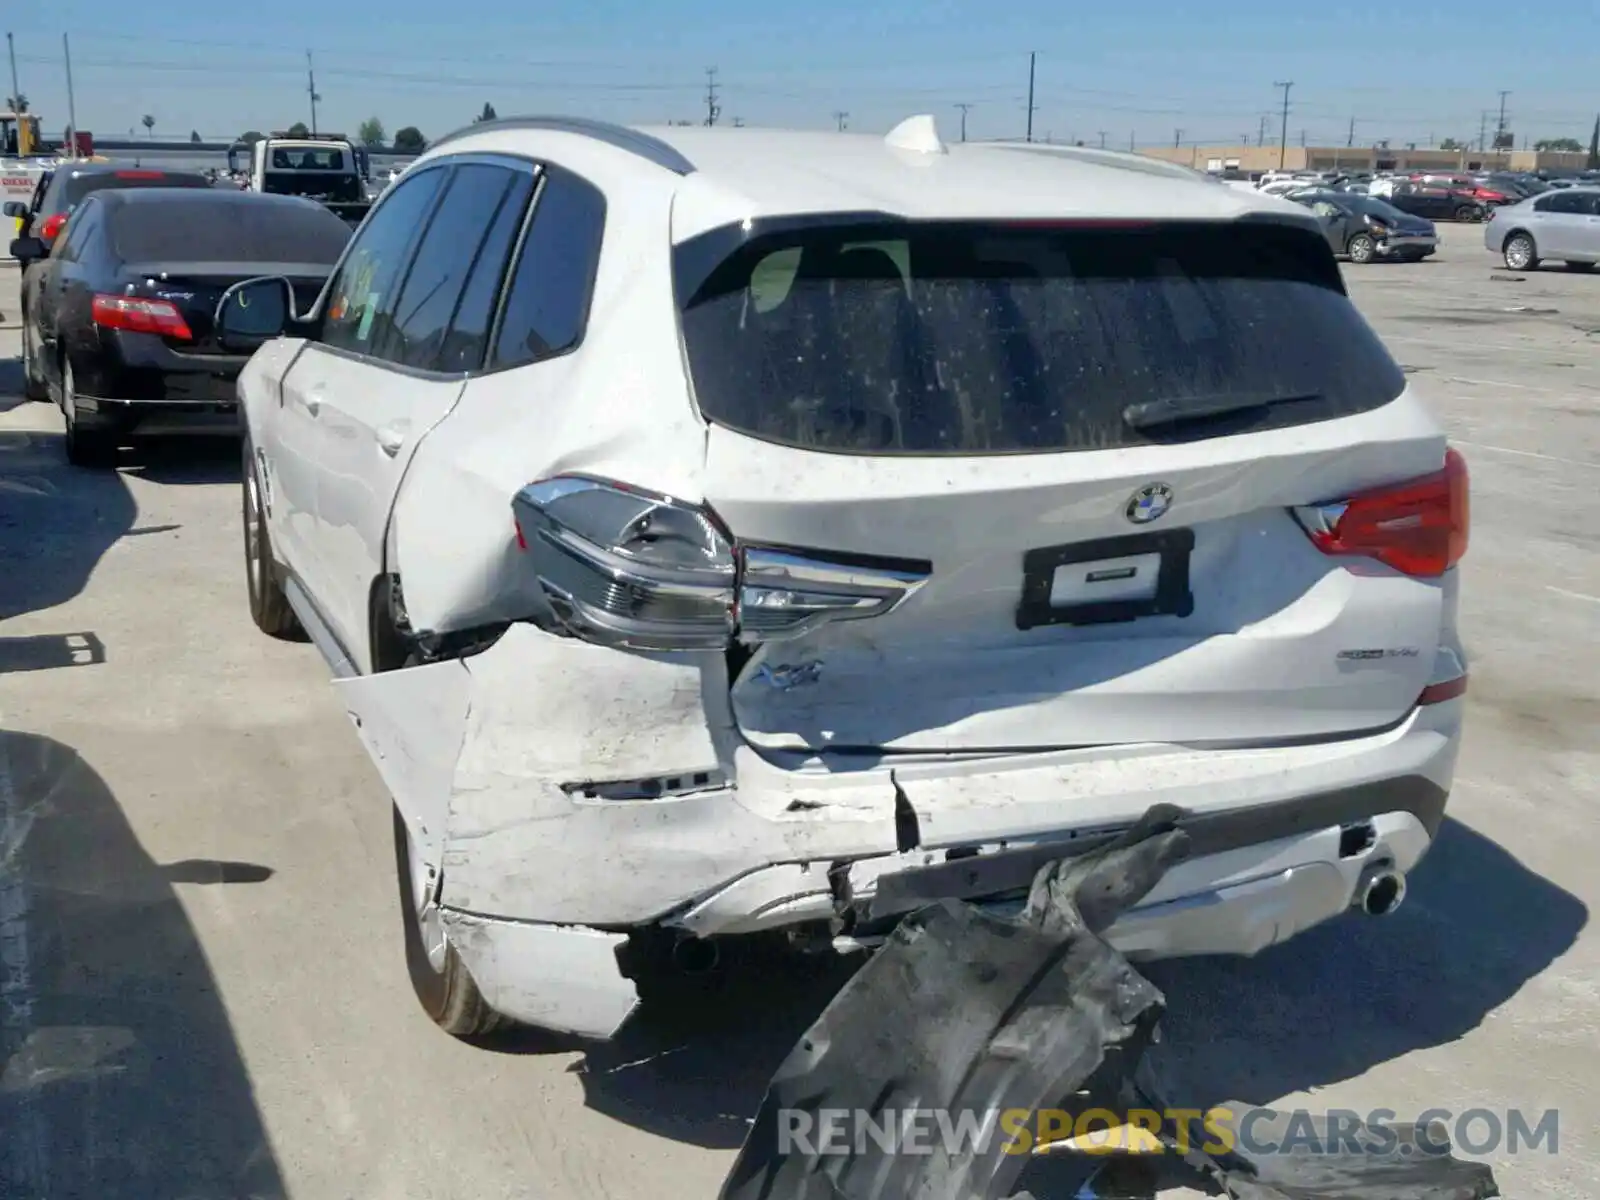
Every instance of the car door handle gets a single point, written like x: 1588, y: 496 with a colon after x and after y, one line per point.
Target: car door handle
x: 391, y: 438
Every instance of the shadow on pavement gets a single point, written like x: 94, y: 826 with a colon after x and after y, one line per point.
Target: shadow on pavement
x: 119, y: 1075
x: 1325, y: 1007
x: 55, y: 522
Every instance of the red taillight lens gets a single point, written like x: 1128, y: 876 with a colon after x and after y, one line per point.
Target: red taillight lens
x: 141, y: 316
x: 1419, y: 527
x: 52, y: 227
x: 1438, y: 693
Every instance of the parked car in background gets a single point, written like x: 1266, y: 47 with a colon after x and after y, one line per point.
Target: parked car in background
x: 1435, y: 201
x: 1562, y: 224
x: 120, y: 332
x: 63, y: 189
x: 1364, y: 228
x: 683, y: 509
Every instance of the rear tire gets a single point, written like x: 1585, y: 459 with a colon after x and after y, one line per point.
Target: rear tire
x: 444, y: 986
x: 269, y: 605
x: 33, y: 387
x: 1466, y: 213
x: 1520, y: 253
x: 1361, y: 249
x: 95, y: 449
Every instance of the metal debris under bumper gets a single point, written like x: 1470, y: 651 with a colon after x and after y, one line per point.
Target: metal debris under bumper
x: 969, y: 1015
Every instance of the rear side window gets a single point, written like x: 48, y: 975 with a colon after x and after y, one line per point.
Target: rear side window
x: 438, y: 273
x: 227, y: 229
x: 1574, y: 203
x: 547, y: 305
x: 955, y: 338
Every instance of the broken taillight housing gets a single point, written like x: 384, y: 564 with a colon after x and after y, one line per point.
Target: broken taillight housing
x: 1418, y: 527
x: 622, y: 566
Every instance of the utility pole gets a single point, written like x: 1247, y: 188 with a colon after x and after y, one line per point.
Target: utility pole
x: 72, y: 108
x: 1352, y: 140
x: 964, y: 108
x: 1102, y: 139
x: 1032, y: 62
x: 16, y: 88
x: 1283, y: 132
x: 840, y: 116
x: 1131, y: 136
x: 1302, y: 139
x: 1261, y: 133
x: 713, y: 109
x: 1483, y: 130
x: 738, y: 122
x: 1177, y: 138
x: 1500, y: 126
x: 311, y: 90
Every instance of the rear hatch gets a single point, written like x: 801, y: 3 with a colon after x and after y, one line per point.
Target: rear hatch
x: 1079, y: 449
x: 195, y: 289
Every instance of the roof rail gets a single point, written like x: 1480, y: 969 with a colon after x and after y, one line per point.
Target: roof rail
x: 308, y: 137
x: 622, y: 137
x: 1126, y: 159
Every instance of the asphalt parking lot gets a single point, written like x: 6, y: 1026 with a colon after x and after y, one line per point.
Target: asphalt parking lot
x: 202, y: 988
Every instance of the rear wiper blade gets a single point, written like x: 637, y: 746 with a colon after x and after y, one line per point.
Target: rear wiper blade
x: 1151, y: 413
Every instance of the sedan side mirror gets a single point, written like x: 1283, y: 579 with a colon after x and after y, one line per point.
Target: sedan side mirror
x: 15, y: 208
x: 254, y: 312
x: 26, y: 249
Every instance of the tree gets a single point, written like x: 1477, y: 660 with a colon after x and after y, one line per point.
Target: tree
x: 410, y: 140
x: 1451, y: 144
x: 298, y: 129
x: 488, y: 114
x: 371, y: 132
x: 194, y: 135
x: 18, y: 103
x: 149, y: 124
x: 1593, y: 162
x: 1563, y: 145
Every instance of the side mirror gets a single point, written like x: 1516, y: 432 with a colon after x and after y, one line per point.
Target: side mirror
x: 254, y: 312
x: 15, y: 208
x: 26, y: 249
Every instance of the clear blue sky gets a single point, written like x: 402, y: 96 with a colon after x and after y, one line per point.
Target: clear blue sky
x: 1406, y: 71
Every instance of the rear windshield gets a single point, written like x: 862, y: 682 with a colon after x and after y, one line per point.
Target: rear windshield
x: 227, y: 229
x: 75, y: 187
x: 952, y: 338
x: 306, y: 158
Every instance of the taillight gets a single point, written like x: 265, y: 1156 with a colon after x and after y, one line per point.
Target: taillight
x: 141, y: 316
x: 52, y: 227
x: 621, y: 566
x: 1418, y: 527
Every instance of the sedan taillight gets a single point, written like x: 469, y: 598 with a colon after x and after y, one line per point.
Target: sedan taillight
x: 621, y: 566
x: 1419, y: 527
x: 141, y: 316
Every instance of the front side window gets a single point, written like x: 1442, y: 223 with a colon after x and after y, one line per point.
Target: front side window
x: 965, y: 338
x: 360, y: 299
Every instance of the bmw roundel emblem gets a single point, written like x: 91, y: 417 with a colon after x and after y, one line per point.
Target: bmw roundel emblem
x: 1149, y: 503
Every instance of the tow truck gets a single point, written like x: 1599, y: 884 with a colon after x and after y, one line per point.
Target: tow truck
x: 326, y: 167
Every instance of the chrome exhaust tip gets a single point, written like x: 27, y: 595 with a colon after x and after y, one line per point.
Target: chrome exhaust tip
x: 1381, y: 891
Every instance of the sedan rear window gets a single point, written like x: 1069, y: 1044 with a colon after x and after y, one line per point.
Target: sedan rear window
x: 75, y: 188
x: 227, y: 229
x: 956, y: 338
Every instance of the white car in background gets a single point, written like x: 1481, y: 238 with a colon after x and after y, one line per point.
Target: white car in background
x: 717, y: 531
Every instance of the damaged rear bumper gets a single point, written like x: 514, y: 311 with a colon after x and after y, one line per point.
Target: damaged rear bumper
x: 482, y: 756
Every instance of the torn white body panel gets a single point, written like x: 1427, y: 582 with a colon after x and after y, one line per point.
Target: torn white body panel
x: 733, y: 841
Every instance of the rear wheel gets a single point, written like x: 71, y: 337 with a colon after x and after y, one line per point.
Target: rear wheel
x: 1361, y: 248
x: 1466, y: 212
x: 269, y: 606
x: 96, y: 448
x: 444, y: 986
x: 1520, y: 253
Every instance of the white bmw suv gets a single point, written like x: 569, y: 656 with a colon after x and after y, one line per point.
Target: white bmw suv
x: 722, y: 531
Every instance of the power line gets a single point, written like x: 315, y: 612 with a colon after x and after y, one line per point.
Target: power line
x: 1283, y: 133
x: 1032, y: 107
x: 713, y: 109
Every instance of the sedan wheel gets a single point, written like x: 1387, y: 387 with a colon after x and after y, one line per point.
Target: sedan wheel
x: 269, y: 604
x: 1520, y: 254
x: 33, y: 387
x: 1362, y: 249
x: 85, y: 447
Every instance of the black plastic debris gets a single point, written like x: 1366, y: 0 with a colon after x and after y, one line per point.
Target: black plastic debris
x: 966, y: 1015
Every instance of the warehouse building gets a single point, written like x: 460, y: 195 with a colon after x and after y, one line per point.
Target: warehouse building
x: 1253, y: 160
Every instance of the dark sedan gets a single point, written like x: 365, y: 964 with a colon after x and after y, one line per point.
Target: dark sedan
x: 1437, y: 202
x: 63, y: 189
x: 121, y: 332
x: 1365, y: 229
